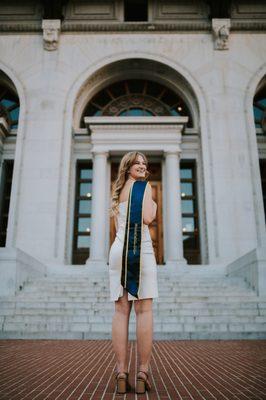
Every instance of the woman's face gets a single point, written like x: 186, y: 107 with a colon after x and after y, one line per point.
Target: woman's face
x: 138, y: 169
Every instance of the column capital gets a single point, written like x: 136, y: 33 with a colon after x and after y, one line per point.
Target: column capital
x: 172, y: 152
x: 100, y: 152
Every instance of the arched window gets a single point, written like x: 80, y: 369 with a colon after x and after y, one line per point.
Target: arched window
x: 9, y: 111
x: 9, y: 106
x: 259, y: 108
x: 136, y: 97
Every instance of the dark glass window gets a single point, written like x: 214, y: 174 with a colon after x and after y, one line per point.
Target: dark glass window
x: 263, y: 182
x: 136, y: 112
x: 9, y: 106
x: 190, y: 223
x: 136, y: 97
x: 82, y: 217
x: 5, y: 192
x: 259, y: 108
x: 136, y: 10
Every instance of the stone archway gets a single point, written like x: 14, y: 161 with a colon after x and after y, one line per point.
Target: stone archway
x: 141, y: 69
x: 113, y: 69
x: 12, y: 119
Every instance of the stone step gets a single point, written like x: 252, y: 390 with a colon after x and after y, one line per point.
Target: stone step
x: 163, y: 278
x: 248, y: 313
x: 181, y: 289
x: 157, y: 318
x: 92, y: 275
x: 163, y: 287
x: 157, y: 327
x: 165, y: 305
x: 7, y: 305
x: 105, y: 293
x: 79, y: 307
x: 196, y: 281
x: 253, y: 302
x: 175, y: 298
x: 232, y: 335
x: 168, y: 312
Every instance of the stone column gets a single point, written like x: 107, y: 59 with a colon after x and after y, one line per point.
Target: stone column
x: 173, y: 209
x: 98, y: 207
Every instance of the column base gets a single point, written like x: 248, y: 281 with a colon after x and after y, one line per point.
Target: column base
x: 97, y: 265
x: 176, y: 266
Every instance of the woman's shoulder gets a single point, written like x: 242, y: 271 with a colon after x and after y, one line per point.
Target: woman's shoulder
x: 123, y: 196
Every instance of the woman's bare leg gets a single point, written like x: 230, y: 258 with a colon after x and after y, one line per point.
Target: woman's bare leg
x: 120, y: 331
x: 144, y: 321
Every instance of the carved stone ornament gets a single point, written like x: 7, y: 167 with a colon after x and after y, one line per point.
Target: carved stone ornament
x: 221, y: 30
x: 51, y: 29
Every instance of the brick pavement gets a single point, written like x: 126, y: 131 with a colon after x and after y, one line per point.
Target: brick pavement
x: 74, y: 369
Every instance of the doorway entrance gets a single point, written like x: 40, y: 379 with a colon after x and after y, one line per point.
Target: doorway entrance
x: 156, y: 227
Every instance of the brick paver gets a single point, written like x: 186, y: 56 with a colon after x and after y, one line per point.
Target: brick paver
x: 74, y: 369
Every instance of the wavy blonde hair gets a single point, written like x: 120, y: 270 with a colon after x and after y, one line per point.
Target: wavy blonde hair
x: 122, y: 176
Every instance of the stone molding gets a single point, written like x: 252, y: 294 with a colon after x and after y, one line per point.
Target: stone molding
x: 174, y: 152
x: 136, y: 120
x: 194, y: 26
x: 99, y: 153
x: 116, y: 134
x: 136, y: 26
x: 20, y: 26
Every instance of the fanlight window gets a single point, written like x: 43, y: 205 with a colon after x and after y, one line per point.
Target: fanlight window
x: 259, y: 108
x: 135, y: 97
x: 9, y: 106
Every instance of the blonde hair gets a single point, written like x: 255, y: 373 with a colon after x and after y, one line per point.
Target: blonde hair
x: 123, y: 171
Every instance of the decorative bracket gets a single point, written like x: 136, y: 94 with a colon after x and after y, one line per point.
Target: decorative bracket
x: 51, y: 29
x: 221, y: 30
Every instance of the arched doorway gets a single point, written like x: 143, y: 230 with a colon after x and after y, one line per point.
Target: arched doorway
x: 144, y: 88
x: 259, y: 109
x: 140, y: 98
x: 9, y: 115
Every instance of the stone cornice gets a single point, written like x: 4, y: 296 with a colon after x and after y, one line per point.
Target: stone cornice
x: 248, y: 25
x: 155, y: 134
x: 19, y: 26
x: 118, y: 121
x: 190, y: 26
x: 81, y: 133
x: 134, y: 26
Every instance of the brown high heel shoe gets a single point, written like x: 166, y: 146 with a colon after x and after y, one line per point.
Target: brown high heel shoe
x: 122, y: 384
x: 143, y: 384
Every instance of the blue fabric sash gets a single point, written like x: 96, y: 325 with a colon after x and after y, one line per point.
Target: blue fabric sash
x: 131, y: 259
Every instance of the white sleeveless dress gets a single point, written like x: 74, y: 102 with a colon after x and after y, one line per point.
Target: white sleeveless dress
x: 148, y: 287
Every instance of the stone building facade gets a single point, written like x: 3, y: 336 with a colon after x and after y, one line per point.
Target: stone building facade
x: 83, y: 82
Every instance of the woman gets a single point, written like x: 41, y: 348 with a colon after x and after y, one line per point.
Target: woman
x: 132, y: 267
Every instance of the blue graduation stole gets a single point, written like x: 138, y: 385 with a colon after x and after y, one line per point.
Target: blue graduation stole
x: 131, y: 259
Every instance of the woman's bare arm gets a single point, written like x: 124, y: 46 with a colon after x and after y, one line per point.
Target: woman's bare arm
x: 149, y: 206
x: 116, y: 225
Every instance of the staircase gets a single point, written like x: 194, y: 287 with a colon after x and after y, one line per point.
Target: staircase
x: 188, y: 307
